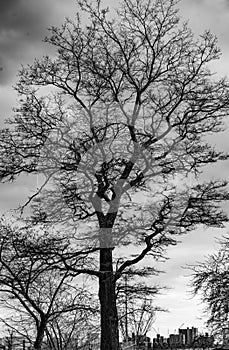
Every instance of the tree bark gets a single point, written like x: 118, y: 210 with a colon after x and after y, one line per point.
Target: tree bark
x: 107, y: 297
x: 40, y: 335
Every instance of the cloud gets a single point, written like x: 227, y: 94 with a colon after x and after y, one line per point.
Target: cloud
x: 23, y: 25
x: 207, y: 14
x: 16, y: 193
x: 20, y: 25
x: 178, y: 300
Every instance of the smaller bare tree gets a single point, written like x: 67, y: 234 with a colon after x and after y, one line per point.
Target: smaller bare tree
x: 135, y: 300
x: 211, y: 279
x: 34, y: 289
x: 72, y: 330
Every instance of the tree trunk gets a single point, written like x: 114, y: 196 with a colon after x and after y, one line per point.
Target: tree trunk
x: 107, y: 297
x: 40, y: 335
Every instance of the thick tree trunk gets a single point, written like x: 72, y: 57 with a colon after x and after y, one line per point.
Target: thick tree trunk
x: 109, y: 316
x: 40, y: 336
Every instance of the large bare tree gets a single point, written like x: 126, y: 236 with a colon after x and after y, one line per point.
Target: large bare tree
x: 116, y: 126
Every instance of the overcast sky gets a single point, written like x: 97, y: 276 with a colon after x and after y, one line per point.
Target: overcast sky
x: 23, y: 24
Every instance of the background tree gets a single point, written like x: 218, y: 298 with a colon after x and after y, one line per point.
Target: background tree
x: 135, y: 301
x: 211, y: 279
x: 131, y: 103
x: 141, y: 316
x: 72, y: 330
x: 35, y: 293
x: 203, y: 341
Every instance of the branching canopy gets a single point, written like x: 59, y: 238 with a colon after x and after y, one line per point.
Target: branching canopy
x: 116, y: 123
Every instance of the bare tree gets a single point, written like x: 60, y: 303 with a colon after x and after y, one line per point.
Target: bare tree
x: 131, y: 103
x: 135, y: 301
x: 140, y: 317
x: 72, y: 330
x: 36, y: 294
x: 211, y: 279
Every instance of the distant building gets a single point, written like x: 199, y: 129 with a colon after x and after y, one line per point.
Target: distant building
x: 140, y: 342
x: 188, y: 335
x: 185, y: 339
x: 174, y: 340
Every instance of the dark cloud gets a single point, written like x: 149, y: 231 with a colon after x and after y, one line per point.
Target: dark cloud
x: 19, y: 15
x: 20, y: 24
x: 23, y: 24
